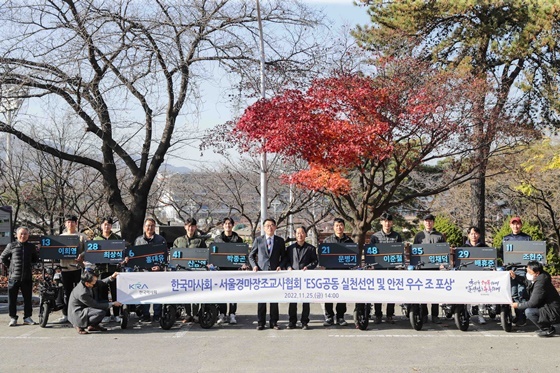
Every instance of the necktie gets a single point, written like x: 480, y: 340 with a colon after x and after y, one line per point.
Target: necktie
x: 269, y: 244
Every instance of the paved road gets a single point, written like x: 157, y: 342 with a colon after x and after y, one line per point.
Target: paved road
x: 240, y: 348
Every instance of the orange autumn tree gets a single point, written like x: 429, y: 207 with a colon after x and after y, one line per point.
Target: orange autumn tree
x: 370, y: 143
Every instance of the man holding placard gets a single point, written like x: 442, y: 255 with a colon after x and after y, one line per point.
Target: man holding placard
x: 104, y: 288
x: 150, y: 237
x: 338, y: 237
x: 385, y: 235
x: 430, y: 235
x: 518, y: 288
x: 227, y: 236
x: 70, y: 275
x: 190, y: 240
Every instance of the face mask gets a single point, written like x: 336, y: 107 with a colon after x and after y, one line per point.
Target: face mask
x: 530, y: 277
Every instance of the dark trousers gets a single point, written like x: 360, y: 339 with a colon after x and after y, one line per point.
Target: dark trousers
x: 192, y: 309
x: 379, y: 312
x: 69, y: 280
x: 435, y: 310
x: 26, y: 287
x: 101, y: 293
x: 95, y: 315
x: 261, y: 314
x: 222, y: 308
x: 340, y: 310
x: 292, y: 313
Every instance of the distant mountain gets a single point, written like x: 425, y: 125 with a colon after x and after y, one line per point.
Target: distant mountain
x: 174, y: 169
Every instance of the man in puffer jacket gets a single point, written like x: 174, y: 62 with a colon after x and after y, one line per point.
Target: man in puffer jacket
x: 19, y: 257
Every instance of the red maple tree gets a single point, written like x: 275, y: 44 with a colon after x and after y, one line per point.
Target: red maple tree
x: 370, y: 143
x: 333, y: 127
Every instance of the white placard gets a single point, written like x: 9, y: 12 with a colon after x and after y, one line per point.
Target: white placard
x: 333, y: 286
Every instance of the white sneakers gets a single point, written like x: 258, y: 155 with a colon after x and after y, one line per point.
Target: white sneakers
x: 221, y: 319
x: 481, y: 319
x: 117, y: 319
x: 26, y: 321
x: 225, y: 319
x: 64, y: 318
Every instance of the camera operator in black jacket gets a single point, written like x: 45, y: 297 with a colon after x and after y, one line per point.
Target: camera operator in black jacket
x: 543, y: 306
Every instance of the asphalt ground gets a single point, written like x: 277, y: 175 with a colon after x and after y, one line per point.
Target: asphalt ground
x: 386, y: 347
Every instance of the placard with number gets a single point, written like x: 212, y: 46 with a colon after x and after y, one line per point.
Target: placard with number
x: 433, y: 255
x: 338, y: 255
x: 105, y: 251
x: 145, y: 256
x: 189, y: 257
x: 386, y: 255
x: 59, y: 247
x: 479, y: 258
x: 228, y: 255
x: 524, y: 251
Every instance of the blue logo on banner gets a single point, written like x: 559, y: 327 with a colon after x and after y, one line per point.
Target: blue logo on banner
x: 137, y: 286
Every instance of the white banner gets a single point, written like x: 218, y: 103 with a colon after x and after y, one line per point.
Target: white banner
x: 332, y: 286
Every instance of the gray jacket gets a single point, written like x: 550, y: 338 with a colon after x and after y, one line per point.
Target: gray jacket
x: 81, y: 300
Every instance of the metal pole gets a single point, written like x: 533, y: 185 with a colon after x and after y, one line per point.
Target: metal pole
x: 263, y: 163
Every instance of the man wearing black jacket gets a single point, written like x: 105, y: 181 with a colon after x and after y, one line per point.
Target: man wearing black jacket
x: 338, y: 237
x: 227, y: 235
x: 300, y: 256
x: 543, y: 306
x: 385, y: 235
x: 19, y: 257
x: 430, y: 235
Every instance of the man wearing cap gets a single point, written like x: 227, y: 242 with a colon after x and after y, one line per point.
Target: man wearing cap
x: 518, y: 288
x: 430, y: 235
x: 71, y: 275
x: 385, y: 235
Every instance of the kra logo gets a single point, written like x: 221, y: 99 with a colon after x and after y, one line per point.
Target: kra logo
x: 137, y: 286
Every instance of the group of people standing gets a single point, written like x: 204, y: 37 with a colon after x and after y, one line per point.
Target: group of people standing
x: 87, y: 303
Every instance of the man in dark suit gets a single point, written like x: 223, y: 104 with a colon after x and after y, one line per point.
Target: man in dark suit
x: 267, y: 254
x: 300, y: 256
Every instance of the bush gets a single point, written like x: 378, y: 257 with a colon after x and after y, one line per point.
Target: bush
x: 453, y: 233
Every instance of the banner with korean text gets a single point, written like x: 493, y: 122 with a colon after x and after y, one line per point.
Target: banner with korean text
x: 458, y: 287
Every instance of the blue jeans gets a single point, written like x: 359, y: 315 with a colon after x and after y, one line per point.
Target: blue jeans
x: 518, y: 293
x: 533, y: 315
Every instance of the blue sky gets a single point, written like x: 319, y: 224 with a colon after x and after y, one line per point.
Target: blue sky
x: 213, y: 112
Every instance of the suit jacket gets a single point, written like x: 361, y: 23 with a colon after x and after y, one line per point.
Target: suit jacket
x: 298, y: 257
x: 81, y: 299
x: 260, y: 257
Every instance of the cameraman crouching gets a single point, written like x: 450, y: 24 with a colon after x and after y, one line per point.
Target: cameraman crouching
x: 83, y: 310
x: 543, y: 306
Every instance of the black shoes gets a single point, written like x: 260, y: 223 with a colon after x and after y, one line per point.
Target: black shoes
x: 547, y: 332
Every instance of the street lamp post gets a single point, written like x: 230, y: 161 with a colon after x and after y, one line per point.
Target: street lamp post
x: 263, y: 163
